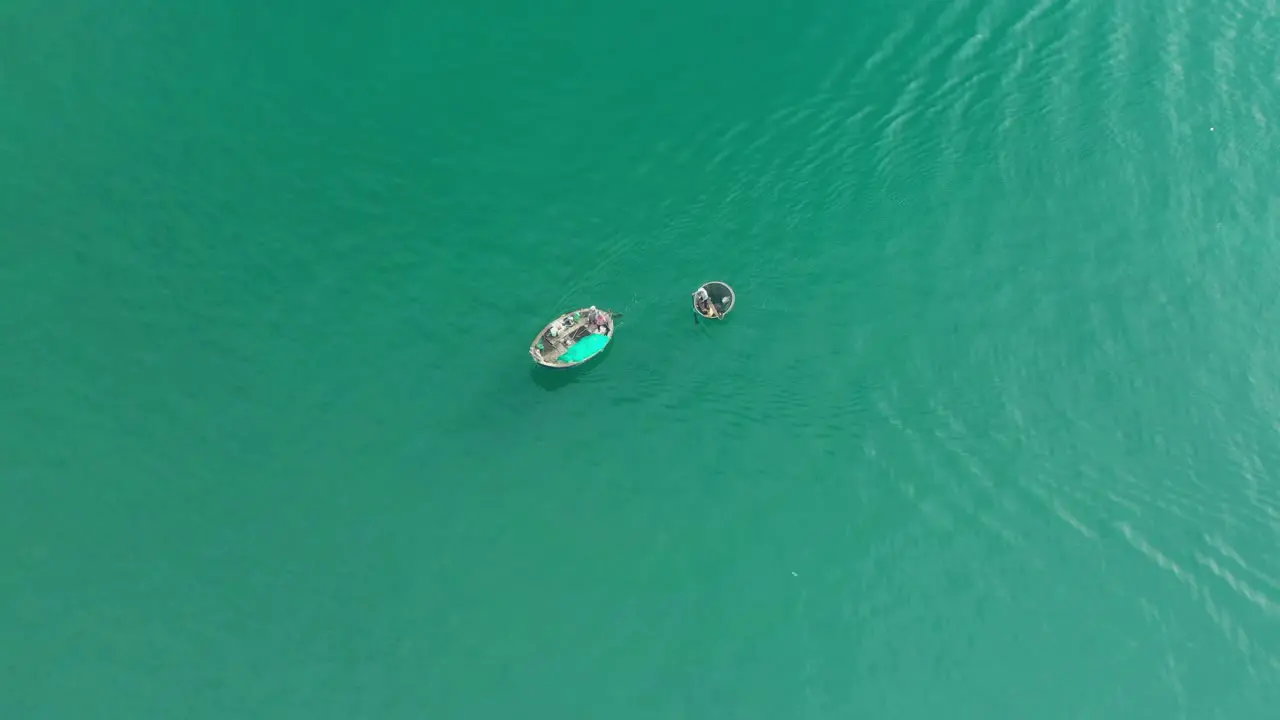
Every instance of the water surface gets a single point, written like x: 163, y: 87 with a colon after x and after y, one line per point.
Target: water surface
x: 991, y: 434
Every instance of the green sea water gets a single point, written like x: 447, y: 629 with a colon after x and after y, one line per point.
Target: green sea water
x: 993, y: 432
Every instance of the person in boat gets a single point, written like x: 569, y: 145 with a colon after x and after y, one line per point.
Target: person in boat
x: 702, y: 300
x: 597, y: 320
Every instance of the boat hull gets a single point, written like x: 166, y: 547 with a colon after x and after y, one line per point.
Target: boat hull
x: 722, y: 296
x: 572, y: 339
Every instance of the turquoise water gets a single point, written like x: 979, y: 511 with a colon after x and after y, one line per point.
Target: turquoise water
x: 993, y: 430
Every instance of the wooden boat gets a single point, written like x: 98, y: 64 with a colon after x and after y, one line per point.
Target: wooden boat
x: 573, y: 338
x: 721, y: 297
